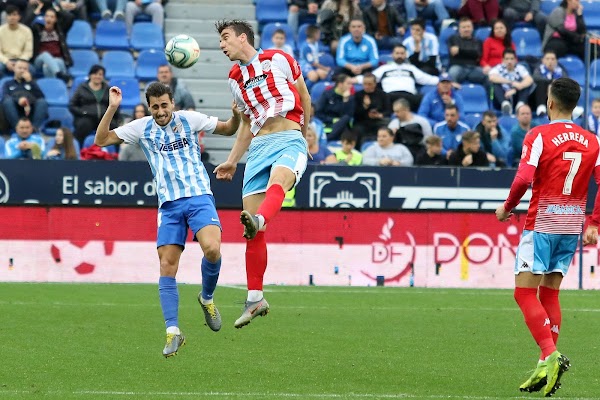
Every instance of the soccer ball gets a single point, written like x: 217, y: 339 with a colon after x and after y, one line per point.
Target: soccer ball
x: 182, y: 51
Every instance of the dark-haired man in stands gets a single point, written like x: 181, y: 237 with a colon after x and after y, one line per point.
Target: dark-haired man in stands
x: 23, y: 97
x: 16, y: 41
x: 465, y: 51
x: 181, y: 95
x: 384, y: 23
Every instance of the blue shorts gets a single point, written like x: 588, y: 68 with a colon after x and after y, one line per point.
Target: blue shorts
x: 175, y: 217
x: 544, y: 253
x: 282, y: 149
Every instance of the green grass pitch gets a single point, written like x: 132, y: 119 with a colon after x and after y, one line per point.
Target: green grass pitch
x: 70, y: 341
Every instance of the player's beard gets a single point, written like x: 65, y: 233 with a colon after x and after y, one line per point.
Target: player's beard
x: 163, y: 119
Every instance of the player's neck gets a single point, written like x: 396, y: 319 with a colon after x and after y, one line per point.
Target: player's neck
x: 559, y: 116
x: 248, y: 54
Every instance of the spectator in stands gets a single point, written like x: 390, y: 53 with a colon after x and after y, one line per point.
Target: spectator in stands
x: 118, y: 12
x: 300, y: 9
x: 279, y: 39
x: 181, y: 95
x: 432, y: 154
x: 372, y: 107
x: 77, y: 8
x: 469, y: 152
x: 407, y: 122
x: 385, y: 153
x: 494, y: 141
x: 320, y: 153
x: 312, y: 70
x: 357, y: 52
x: 465, y: 52
x: 565, y: 30
x: 543, y: 75
x: 20, y: 4
x: 524, y: 11
x: 317, y: 125
x: 384, y: 23
x: 23, y: 97
x: 519, y: 130
x: 129, y: 151
x: 433, y: 10
x: 594, y: 117
x: 64, y: 148
x: 347, y: 154
x: 481, y: 12
x: 334, y: 19
x: 511, y: 83
x: 24, y: 144
x: 154, y: 8
x: 494, y: 46
x: 400, y: 78
x: 434, y: 103
x: 16, y: 41
x: 336, y: 107
x: 50, y: 52
x: 89, y: 102
x: 450, y: 130
x: 423, y: 48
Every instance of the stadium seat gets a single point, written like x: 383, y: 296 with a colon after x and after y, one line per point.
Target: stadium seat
x: 57, y: 117
x: 145, y: 36
x: 111, y: 35
x: 547, y: 6
x: 268, y: 11
x: 51, y: 142
x: 426, y: 89
x: 2, y: 80
x: 507, y: 122
x: 366, y: 145
x: 318, y: 89
x: 444, y: 36
x: 130, y: 87
x: 55, y: 91
x: 82, y: 62
x: 452, y: 4
x: 89, y: 141
x: 80, y: 36
x: 147, y: 64
x: 595, y: 74
x: 475, y: 98
x: 591, y: 14
x: 528, y: 42
x: 471, y: 119
x: 2, y: 143
x: 482, y: 33
x: 76, y: 82
x: 268, y: 29
x: 574, y: 68
x: 119, y: 64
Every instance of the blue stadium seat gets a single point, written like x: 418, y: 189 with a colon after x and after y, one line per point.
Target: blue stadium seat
x: 482, y: 33
x: 547, y: 6
x: 130, y: 87
x: 507, y: 122
x: 475, y: 98
x: 443, y: 39
x: 528, y: 42
x: 89, y: 141
x: 268, y: 11
x: 318, y: 89
x: 145, y: 36
x: 471, y: 119
x: 57, y: 117
x: 452, y: 4
x: 55, y: 91
x: 111, y: 35
x: 591, y: 14
x: 82, y: 62
x: 574, y: 67
x: 118, y: 63
x: 366, y: 145
x: 426, y: 89
x: 147, y: 64
x: 267, y: 32
x: 51, y: 142
x: 76, y: 82
x: 2, y: 143
x: 80, y: 36
x: 595, y: 74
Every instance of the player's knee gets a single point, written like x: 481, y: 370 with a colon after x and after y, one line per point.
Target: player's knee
x: 168, y: 267
x: 212, y: 250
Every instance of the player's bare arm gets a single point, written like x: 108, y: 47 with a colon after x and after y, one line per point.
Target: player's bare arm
x: 226, y: 170
x: 305, y: 100
x: 104, y: 136
x: 230, y: 127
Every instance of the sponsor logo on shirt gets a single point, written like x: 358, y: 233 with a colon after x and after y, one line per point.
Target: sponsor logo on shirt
x: 254, y: 82
x: 178, y: 144
x: 564, y: 210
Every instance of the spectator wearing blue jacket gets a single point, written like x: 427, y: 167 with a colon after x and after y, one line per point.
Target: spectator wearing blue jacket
x: 494, y: 141
x: 450, y: 130
x: 434, y: 103
x: 24, y: 144
x: 357, y: 52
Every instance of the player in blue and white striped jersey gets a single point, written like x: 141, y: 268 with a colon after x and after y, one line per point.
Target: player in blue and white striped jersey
x: 170, y: 141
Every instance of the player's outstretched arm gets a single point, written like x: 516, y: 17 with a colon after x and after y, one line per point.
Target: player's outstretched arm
x: 230, y: 127
x: 104, y: 136
x: 305, y: 100
x: 226, y: 170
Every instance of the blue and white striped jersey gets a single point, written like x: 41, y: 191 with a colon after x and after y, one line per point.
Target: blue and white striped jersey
x: 173, y: 152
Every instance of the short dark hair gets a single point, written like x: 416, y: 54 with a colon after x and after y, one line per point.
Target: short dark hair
x: 96, y: 68
x: 566, y: 92
x: 348, y: 136
x: 280, y: 31
x: 341, y: 78
x: 311, y: 30
x: 418, y: 21
x: 369, y: 75
x: 239, y: 26
x: 11, y: 9
x: 157, y: 89
x: 398, y: 45
x: 489, y: 113
x: 433, y: 139
x: 550, y: 51
x: 388, y: 130
x: 451, y: 107
x: 509, y: 51
x: 24, y: 119
x: 464, y: 19
x: 401, y: 103
x: 469, y: 136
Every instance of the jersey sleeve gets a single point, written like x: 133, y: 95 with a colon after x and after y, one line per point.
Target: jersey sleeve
x: 199, y: 121
x: 288, y: 65
x: 237, y: 97
x: 132, y: 131
x: 530, y: 156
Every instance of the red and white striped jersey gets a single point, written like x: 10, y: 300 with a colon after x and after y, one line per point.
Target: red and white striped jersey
x: 564, y: 156
x: 264, y: 88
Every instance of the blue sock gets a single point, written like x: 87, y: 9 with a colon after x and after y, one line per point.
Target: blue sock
x: 210, y: 276
x: 169, y: 299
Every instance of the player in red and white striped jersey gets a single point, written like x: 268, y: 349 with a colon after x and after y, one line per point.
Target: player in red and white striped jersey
x: 268, y: 88
x: 558, y: 159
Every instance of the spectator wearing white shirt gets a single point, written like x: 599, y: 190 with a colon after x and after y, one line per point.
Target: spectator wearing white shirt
x: 423, y: 48
x: 385, y: 153
x: 511, y: 83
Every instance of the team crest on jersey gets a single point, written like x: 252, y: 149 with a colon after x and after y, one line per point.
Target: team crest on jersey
x: 178, y: 128
x: 254, y: 82
x: 266, y: 65
x: 524, y: 152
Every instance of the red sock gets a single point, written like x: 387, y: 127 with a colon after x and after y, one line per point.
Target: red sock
x: 536, y: 319
x: 549, y: 300
x: 272, y: 202
x: 256, y: 261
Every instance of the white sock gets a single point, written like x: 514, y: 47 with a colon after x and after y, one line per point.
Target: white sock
x: 174, y: 330
x: 204, y: 301
x: 255, y: 295
x: 261, y: 221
